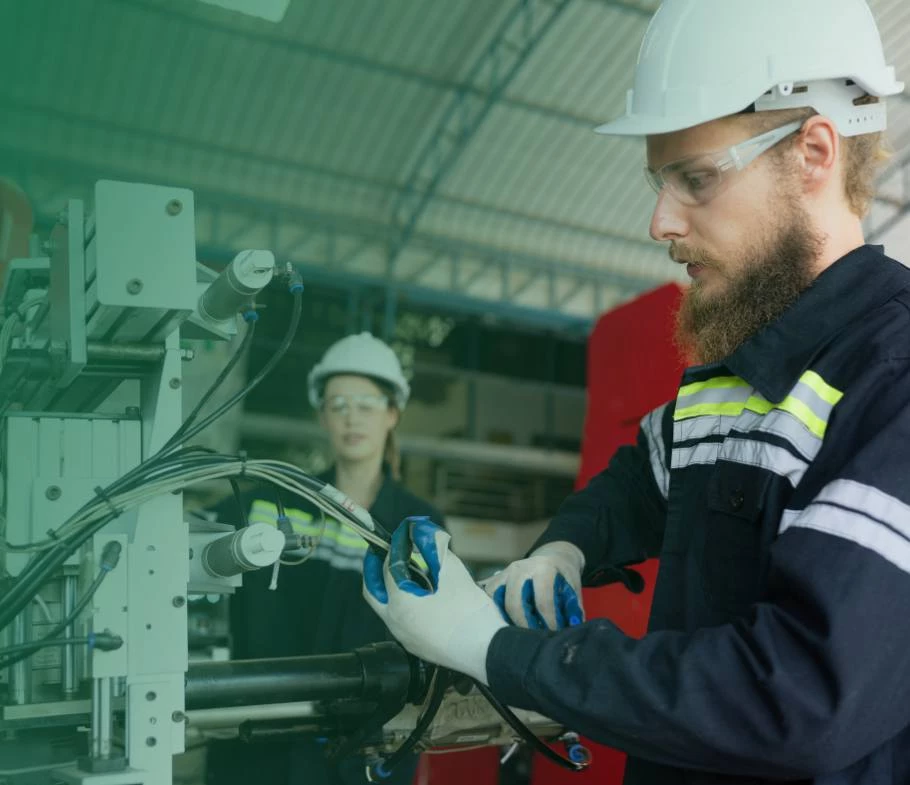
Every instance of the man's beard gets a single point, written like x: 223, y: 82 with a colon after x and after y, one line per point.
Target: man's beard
x: 710, y: 327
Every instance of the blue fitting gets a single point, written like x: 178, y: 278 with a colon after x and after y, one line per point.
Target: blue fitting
x: 578, y: 753
x: 251, y: 315
x: 379, y: 771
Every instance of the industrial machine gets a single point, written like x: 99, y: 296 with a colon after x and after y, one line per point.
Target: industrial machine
x: 97, y: 558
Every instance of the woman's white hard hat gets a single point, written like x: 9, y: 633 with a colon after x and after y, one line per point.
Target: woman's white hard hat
x: 360, y: 355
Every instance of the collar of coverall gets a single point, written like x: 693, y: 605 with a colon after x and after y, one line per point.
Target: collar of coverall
x: 774, y: 358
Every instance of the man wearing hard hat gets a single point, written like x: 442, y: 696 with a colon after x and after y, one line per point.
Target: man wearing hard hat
x: 775, y: 488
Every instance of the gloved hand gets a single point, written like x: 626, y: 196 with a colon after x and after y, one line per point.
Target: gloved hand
x: 542, y: 591
x: 451, y: 623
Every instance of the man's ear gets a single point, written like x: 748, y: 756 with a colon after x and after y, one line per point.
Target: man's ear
x: 818, y: 151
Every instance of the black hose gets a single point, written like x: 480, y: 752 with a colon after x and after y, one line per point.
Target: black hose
x: 525, y: 733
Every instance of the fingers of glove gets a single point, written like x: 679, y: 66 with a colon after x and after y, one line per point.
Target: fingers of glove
x: 569, y: 612
x: 431, y: 543
x: 532, y: 617
x: 492, y: 584
x: 559, y: 602
x: 400, y: 549
x: 373, y: 578
x: 499, y: 597
x: 515, y: 572
x: 517, y: 596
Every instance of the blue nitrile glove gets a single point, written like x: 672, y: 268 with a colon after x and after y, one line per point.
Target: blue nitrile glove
x: 542, y: 591
x: 452, y: 622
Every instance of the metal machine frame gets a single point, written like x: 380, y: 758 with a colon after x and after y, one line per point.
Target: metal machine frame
x: 90, y: 389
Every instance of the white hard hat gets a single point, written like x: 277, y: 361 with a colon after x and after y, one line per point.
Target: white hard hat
x: 361, y: 355
x: 705, y: 59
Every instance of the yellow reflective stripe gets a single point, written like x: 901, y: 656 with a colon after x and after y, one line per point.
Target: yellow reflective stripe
x: 270, y: 510
x: 264, y: 511
x: 821, y: 388
x: 794, y: 406
x: 805, y: 415
x: 335, y: 531
x: 728, y: 409
x: 756, y: 403
x: 790, y: 404
x: 345, y: 536
x: 717, y: 383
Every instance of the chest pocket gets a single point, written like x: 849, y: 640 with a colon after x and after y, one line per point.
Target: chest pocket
x: 734, y: 556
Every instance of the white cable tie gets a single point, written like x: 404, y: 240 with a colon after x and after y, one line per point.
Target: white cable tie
x: 273, y: 584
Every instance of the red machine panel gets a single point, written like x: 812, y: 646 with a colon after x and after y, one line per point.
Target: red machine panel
x: 633, y: 367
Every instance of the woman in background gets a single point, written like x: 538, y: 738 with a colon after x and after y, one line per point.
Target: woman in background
x: 360, y: 392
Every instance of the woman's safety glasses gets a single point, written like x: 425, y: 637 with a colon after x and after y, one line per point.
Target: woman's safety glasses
x: 696, y: 180
x: 365, y: 405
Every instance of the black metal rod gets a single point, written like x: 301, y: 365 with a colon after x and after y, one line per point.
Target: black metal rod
x: 98, y: 351
x: 375, y: 672
x: 244, y: 682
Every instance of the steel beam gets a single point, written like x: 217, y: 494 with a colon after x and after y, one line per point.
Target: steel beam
x: 389, y: 189
x: 295, y: 46
x: 523, y: 28
x: 317, y: 240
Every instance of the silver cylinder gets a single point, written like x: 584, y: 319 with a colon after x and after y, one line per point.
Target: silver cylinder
x: 101, y: 718
x: 252, y: 547
x: 246, y: 275
x: 20, y: 674
x: 235, y: 716
x: 69, y: 676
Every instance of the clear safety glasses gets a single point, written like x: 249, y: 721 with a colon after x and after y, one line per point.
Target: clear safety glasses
x: 364, y: 405
x: 696, y: 180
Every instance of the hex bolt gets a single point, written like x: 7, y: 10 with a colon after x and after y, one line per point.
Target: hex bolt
x: 174, y: 207
x: 174, y: 383
x: 151, y: 741
x: 53, y: 492
x: 133, y: 286
x: 178, y: 716
x: 150, y: 695
x: 49, y: 246
x: 179, y: 602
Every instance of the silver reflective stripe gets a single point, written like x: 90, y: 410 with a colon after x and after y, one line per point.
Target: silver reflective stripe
x: 704, y: 453
x: 776, y: 422
x: 819, y: 407
x: 745, y: 451
x: 810, y: 401
x: 651, y: 427
x: 765, y: 456
x: 876, y: 520
x: 702, y: 427
x: 784, y: 425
